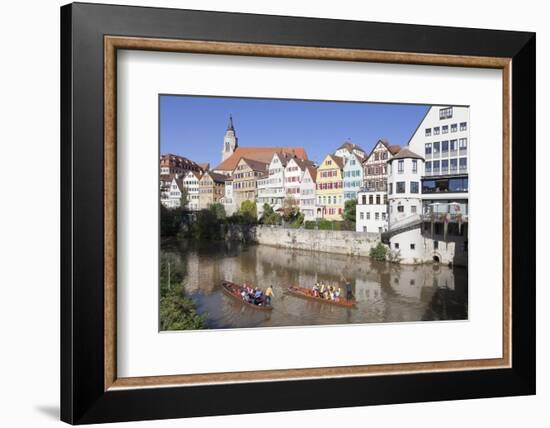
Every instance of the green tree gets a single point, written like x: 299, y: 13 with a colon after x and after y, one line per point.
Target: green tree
x: 379, y: 252
x: 290, y: 209
x: 269, y: 216
x: 184, y: 199
x: 171, y: 221
x: 350, y: 209
x: 207, y: 226
x: 248, y: 212
x: 218, y: 210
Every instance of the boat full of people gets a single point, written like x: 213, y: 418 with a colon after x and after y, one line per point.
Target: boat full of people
x: 324, y: 293
x: 250, y: 296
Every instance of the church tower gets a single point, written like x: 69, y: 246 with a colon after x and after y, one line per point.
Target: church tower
x: 230, y: 140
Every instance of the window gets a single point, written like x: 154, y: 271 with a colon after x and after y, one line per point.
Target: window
x: 453, y: 145
x: 413, y: 209
x: 400, y: 166
x: 370, y: 199
x: 385, y: 199
x: 445, y: 113
x: 429, y: 167
x: 377, y: 199
x: 383, y: 216
x: 368, y: 216
x: 444, y: 165
x: 436, y: 147
x: 412, y: 248
x: 428, y: 149
x: 453, y: 127
x: 377, y: 216
x: 361, y: 216
x: 463, y: 143
x: 396, y: 246
x: 436, y: 130
x: 414, y: 186
x: 463, y: 164
x: 391, y: 188
x: 364, y: 198
x: 463, y: 126
x: 436, y: 166
x: 415, y: 166
x: 400, y: 208
x: 445, y: 147
x: 453, y: 165
x: 445, y: 129
x: 436, y: 245
x: 400, y: 187
x: 428, y: 132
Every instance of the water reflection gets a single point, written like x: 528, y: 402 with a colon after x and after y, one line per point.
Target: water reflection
x: 384, y: 292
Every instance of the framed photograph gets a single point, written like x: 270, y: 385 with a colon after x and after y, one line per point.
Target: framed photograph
x: 267, y: 213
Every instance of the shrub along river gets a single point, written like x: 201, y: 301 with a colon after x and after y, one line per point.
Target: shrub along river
x: 384, y: 292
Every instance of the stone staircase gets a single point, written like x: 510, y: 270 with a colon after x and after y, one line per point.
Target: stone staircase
x: 404, y: 225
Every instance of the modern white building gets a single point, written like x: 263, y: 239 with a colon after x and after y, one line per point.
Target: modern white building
x: 371, y: 213
x: 442, y: 138
x: 191, y: 182
x: 353, y: 176
x: 307, y: 194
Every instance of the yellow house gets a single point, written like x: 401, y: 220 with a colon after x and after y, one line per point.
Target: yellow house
x: 330, y: 191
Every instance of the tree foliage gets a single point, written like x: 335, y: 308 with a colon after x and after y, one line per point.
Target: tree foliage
x: 350, y: 209
x: 269, y: 216
x: 218, y: 210
x: 248, y: 212
x: 379, y: 252
x: 290, y: 209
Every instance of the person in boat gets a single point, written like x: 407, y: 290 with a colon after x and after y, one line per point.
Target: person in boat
x: 349, y: 291
x: 315, y: 290
x: 268, y: 295
x: 337, y: 294
x: 258, y: 297
x: 322, y: 291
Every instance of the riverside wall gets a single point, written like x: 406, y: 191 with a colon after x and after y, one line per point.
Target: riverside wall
x: 326, y: 241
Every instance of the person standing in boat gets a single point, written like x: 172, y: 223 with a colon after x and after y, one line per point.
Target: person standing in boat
x: 349, y: 291
x: 268, y: 295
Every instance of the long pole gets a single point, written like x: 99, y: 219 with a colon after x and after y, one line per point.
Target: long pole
x: 169, y: 288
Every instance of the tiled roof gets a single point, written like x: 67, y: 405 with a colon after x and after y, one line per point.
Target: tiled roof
x: 261, y: 154
x: 406, y: 153
x: 350, y: 146
x: 172, y: 160
x: 313, y: 173
x: 204, y: 165
x: 218, y: 178
x: 394, y: 149
x: 339, y: 160
x: 255, y: 165
x: 303, y: 163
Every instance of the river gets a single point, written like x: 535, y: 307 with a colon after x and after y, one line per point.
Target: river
x: 384, y: 292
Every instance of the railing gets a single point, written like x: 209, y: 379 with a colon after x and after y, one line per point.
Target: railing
x: 445, y: 217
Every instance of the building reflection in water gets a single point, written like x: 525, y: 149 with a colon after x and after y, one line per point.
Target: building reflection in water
x: 385, y: 292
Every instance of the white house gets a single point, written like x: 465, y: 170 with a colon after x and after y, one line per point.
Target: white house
x: 227, y: 200
x: 348, y: 148
x: 293, y: 174
x: 307, y: 194
x: 371, y: 212
x: 191, y: 182
x: 172, y: 198
x: 405, y: 205
x: 274, y: 187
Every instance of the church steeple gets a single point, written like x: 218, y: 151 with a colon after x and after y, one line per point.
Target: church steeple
x: 230, y: 140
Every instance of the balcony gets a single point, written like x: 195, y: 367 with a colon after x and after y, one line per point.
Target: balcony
x: 438, y: 217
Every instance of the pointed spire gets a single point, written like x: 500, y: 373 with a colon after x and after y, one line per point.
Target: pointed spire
x: 230, y: 124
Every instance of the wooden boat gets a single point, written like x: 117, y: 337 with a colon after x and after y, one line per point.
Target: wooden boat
x: 234, y: 290
x: 307, y: 293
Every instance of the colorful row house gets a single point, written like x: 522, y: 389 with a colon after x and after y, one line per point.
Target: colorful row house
x: 211, y: 189
x: 330, y: 195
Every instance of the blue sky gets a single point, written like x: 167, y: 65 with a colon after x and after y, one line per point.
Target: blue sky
x: 194, y: 126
